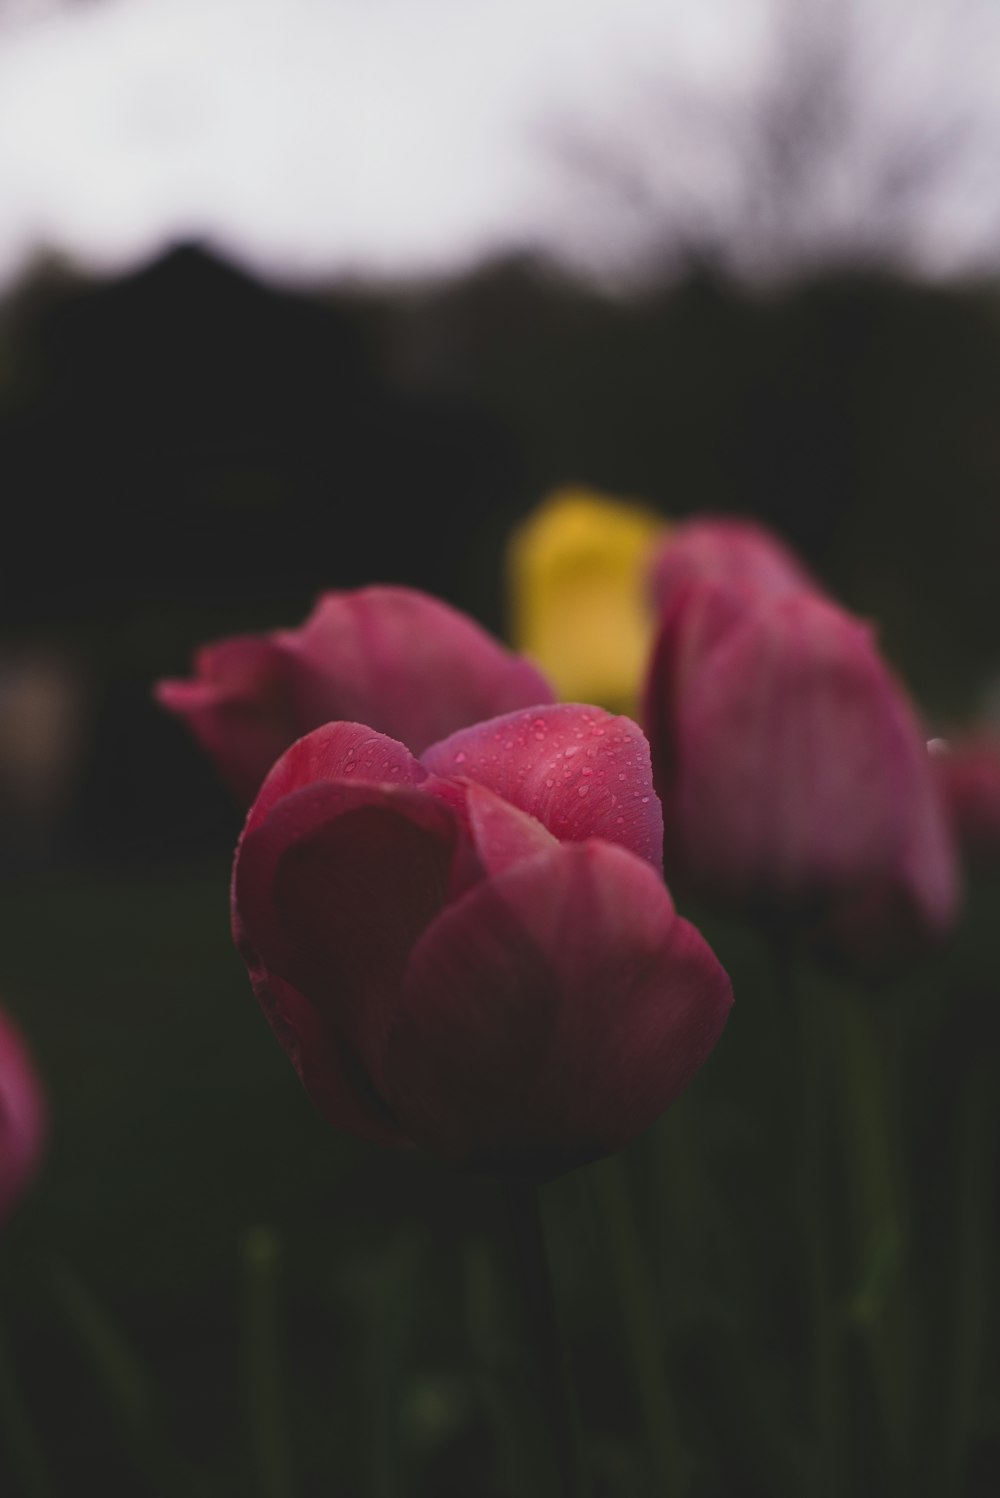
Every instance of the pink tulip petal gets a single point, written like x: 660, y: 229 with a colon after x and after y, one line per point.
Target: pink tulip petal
x: 335, y: 752
x: 498, y: 834
x: 552, y: 1014
x: 783, y: 777
x: 331, y: 891
x: 696, y: 619
x: 397, y: 660
x: 328, y: 1068
x: 579, y: 771
x: 911, y: 906
x: 237, y: 707
x: 405, y: 663
x: 731, y: 552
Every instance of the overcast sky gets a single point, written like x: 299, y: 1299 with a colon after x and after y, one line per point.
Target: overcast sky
x: 314, y: 138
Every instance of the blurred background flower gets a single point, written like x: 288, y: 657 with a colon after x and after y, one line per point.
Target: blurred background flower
x: 580, y: 599
x: 23, y: 1116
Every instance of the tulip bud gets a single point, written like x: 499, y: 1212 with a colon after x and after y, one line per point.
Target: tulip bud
x: 579, y: 603
x: 22, y: 1116
x: 794, y: 777
x: 403, y: 662
x: 474, y: 952
x: 726, y: 550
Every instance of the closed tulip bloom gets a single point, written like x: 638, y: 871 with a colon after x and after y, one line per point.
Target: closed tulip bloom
x: 474, y: 951
x: 578, y: 597
x: 394, y: 658
x: 22, y: 1116
x: 968, y: 772
x: 794, y: 776
x: 724, y: 549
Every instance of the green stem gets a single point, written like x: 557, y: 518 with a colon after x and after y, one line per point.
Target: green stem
x: 882, y: 1305
x: 524, y: 1215
x: 127, y: 1390
x: 637, y: 1302
x: 272, y: 1462
x: 809, y: 1121
x: 499, y: 1376
x: 970, y: 1311
x: 27, y: 1465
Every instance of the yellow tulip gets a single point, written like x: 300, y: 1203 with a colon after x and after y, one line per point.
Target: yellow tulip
x: 578, y: 596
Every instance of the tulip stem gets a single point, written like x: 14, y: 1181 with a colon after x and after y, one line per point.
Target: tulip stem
x: 642, y: 1327
x: 810, y: 1179
x: 270, y: 1443
x: 527, y: 1232
x: 27, y: 1466
x: 881, y: 1307
x: 971, y: 1270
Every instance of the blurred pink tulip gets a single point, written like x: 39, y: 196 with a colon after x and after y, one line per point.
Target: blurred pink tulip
x: 474, y: 952
x: 794, y: 776
x: 968, y: 771
x: 723, y: 549
x: 398, y: 660
x: 22, y: 1116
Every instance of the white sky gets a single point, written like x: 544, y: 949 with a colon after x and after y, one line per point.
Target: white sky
x: 315, y: 138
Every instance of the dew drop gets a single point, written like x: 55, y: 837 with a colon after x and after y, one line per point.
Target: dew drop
x: 460, y: 757
x: 582, y: 790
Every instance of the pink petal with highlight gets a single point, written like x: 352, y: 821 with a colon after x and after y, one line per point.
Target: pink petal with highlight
x: 334, y: 752
x: 580, y: 771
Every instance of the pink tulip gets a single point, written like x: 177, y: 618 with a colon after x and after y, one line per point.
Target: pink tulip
x: 968, y: 772
x: 794, y: 777
x: 474, y: 952
x: 22, y: 1116
x: 726, y: 550
x: 393, y: 658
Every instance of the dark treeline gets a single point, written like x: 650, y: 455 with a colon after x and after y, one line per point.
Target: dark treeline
x: 186, y: 452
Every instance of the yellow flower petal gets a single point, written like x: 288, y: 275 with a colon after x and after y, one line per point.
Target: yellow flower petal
x: 578, y: 596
